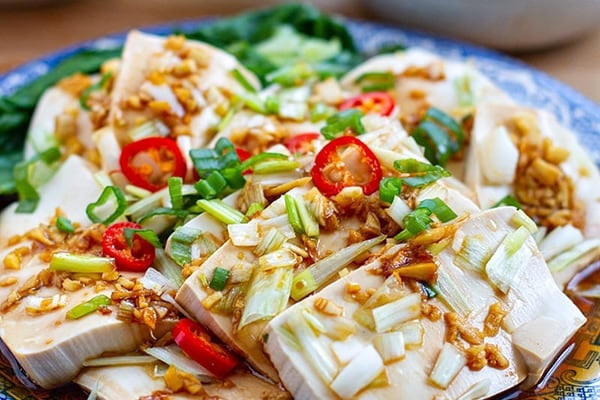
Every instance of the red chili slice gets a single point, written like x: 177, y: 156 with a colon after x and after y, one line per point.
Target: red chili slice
x: 377, y: 102
x: 242, y: 154
x: 136, y: 258
x: 302, y: 143
x: 343, y: 162
x: 150, y: 162
x: 193, y: 339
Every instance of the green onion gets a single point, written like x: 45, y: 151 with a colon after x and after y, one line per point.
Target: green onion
x: 464, y: 91
x: 24, y: 175
x: 344, y: 120
x: 110, y: 205
x: 390, y: 346
x: 268, y: 295
x: 439, y: 208
x: 438, y: 145
x: 221, y: 211
x: 574, y: 254
x: 404, y: 309
x: 271, y: 105
x: 521, y: 219
x: 281, y: 258
x: 112, y: 361
x: 358, y: 373
x: 262, y: 157
x: 291, y: 75
x: 310, y: 226
x: 376, y: 81
x: 253, y: 209
x: 211, y: 187
x: 419, y: 174
x: 275, y: 166
x: 417, y: 221
x: 85, y: 94
x: 453, y: 292
x: 509, y: 259
x: 223, y: 159
x: 80, y: 263
x: 147, y: 234
x: 389, y: 188
x: 180, y: 245
x: 449, y: 363
x: 561, y: 239
x: 176, y: 192
x: 168, y: 267
x: 252, y: 101
x: 137, y: 191
x: 292, y: 212
x: 448, y: 122
x: 271, y: 241
x: 320, y: 111
x: 219, y: 279
x: 413, y: 333
x: 163, y: 211
x: 83, y: 309
x: 150, y: 128
x: 239, y: 76
x: 508, y: 200
x: 473, y: 254
x: 64, y: 225
x: 320, y: 272
x: 398, y: 210
x: 226, y: 120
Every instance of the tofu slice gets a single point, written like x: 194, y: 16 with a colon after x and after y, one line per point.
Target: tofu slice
x: 534, y: 302
x: 71, y: 189
x: 145, y: 54
x: 134, y: 382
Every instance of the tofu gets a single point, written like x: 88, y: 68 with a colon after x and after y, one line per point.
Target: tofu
x: 533, y: 301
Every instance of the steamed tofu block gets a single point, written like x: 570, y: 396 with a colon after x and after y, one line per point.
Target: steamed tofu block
x: 370, y: 335
x: 74, y: 176
x: 173, y: 86
x: 134, y: 381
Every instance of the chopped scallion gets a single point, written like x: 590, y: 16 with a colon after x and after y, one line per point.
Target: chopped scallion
x: 221, y: 211
x: 343, y: 121
x: 85, y: 94
x: 376, y: 81
x: 23, y: 174
x: 508, y: 200
x: 439, y: 208
x: 147, y: 234
x: 389, y: 188
x: 175, y: 184
x: 219, y: 279
x: 81, y: 263
x: 110, y: 205
x: 292, y: 212
x: 418, y: 174
x: 63, y: 224
x: 83, y: 309
x: 239, y: 76
x: 275, y: 166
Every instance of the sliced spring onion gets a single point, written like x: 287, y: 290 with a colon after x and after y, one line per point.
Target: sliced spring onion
x: 376, y: 81
x: 125, y: 312
x: 473, y: 254
x: 389, y: 315
x: 25, y: 182
x: 82, y: 263
x: 419, y: 174
x: 292, y: 212
x: 137, y: 191
x: 320, y: 272
x: 162, y: 211
x: 508, y: 200
x: 310, y: 226
x: 509, y: 259
x: 88, y: 307
x: 317, y: 353
x: 147, y: 234
x: 346, y: 350
x: 358, y: 373
x: 464, y: 91
x: 110, y: 205
x: 221, y: 211
x: 339, y: 123
x: 479, y: 390
x: 253, y: 209
x: 205, y: 244
x: 439, y: 208
x: 436, y: 142
x: 169, y: 268
x: 559, y: 240
x: 173, y: 355
x: 449, y: 363
x: 181, y: 244
x: 241, y: 78
x: 268, y: 295
x: 282, y: 258
x: 148, y: 204
x: 519, y: 218
x: 390, y: 346
x: 291, y: 75
x: 219, y: 279
x: 244, y: 234
x: 119, y: 360
x: 85, y: 94
x: 453, y: 293
x: 338, y: 327
x: 151, y: 128
x: 275, y: 166
x: 63, y: 224
x: 271, y: 241
x: 320, y: 111
x: 262, y: 157
x: 437, y: 115
x: 230, y: 300
x: 398, y: 210
x: 175, y: 185
x: 212, y: 186
x: 572, y: 255
x: 271, y: 105
x: 412, y: 333
x: 295, y: 111
x: 389, y: 188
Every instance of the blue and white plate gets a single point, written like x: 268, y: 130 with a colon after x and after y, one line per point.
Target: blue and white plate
x: 524, y: 84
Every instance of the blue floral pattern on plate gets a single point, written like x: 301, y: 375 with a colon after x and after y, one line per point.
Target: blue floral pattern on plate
x: 525, y: 84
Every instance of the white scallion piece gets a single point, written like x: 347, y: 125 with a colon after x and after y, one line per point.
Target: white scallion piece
x: 168, y: 267
x: 509, y: 259
x: 567, y: 258
x: 477, y: 391
x: 173, y: 355
x: 282, y: 258
x: 412, y: 333
x: 449, y: 363
x: 280, y: 222
x: 519, y: 218
x: 315, y: 351
x: 398, y: 210
x: 473, y: 254
x: 268, y: 295
x: 119, y: 360
x: 338, y: 328
x: 346, y: 350
x: 271, y: 241
x: 390, y: 346
x: 157, y: 282
x: 501, y: 157
x: 452, y: 292
x: 396, y: 312
x: 559, y: 240
x: 244, y: 234
x: 358, y: 373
